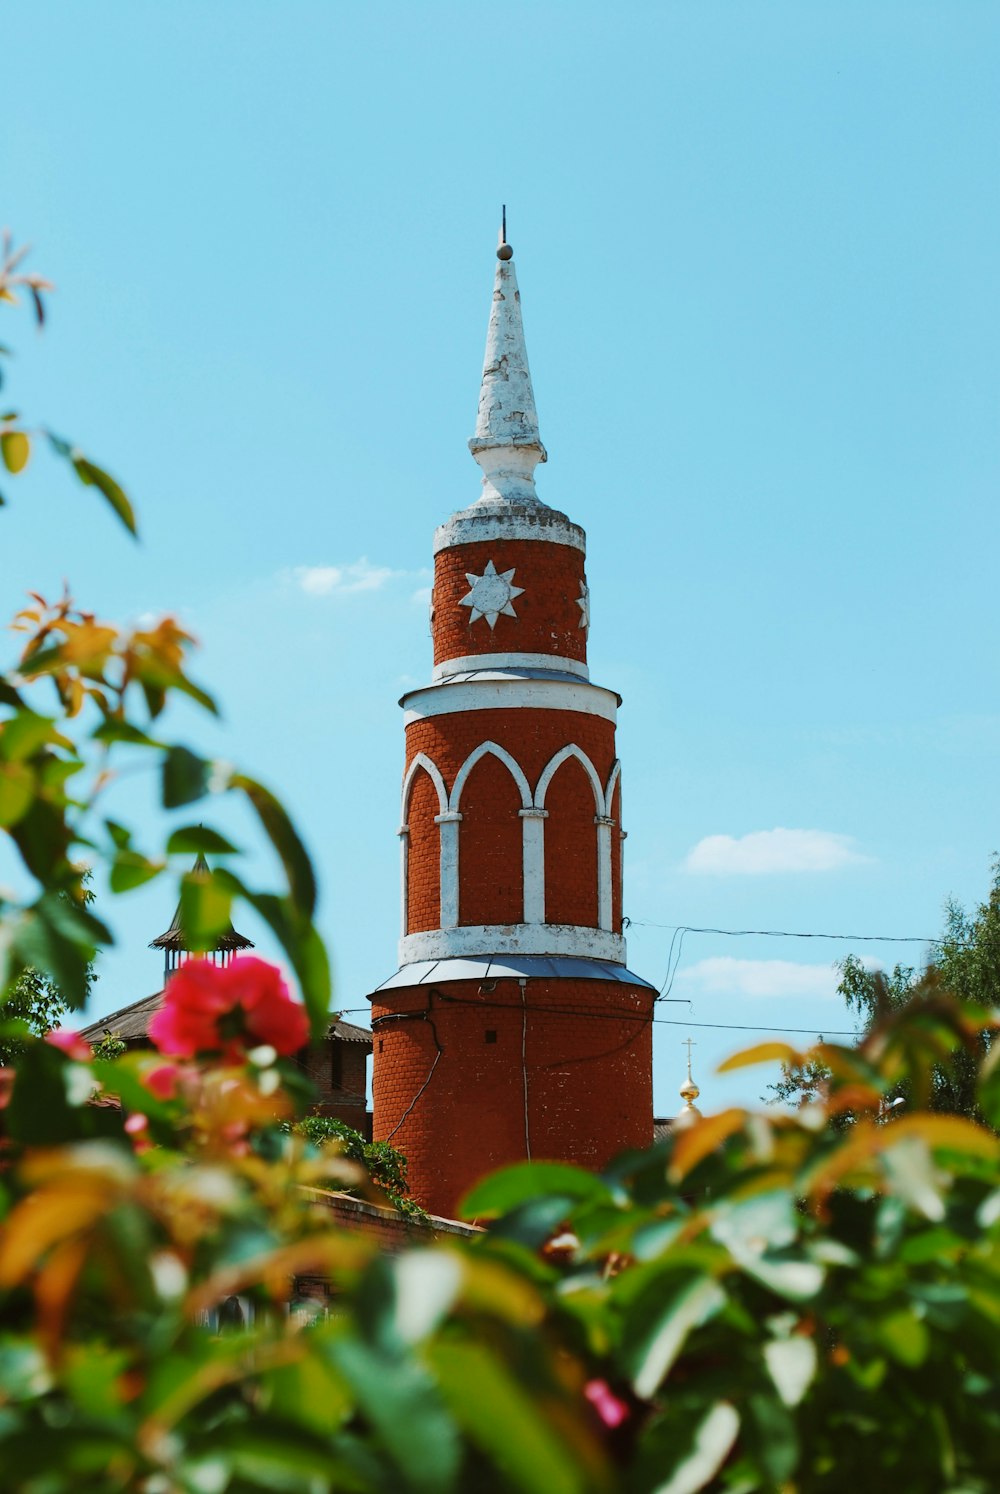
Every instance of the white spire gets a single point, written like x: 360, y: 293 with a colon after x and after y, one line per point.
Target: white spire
x: 507, y: 445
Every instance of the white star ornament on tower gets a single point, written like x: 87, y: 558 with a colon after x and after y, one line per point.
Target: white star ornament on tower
x: 491, y: 594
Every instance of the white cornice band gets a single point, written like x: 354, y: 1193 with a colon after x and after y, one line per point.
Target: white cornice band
x: 471, y: 663
x: 499, y: 694
x: 492, y: 519
x: 512, y: 939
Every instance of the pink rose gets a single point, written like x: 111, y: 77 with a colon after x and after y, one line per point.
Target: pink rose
x: 609, y: 1408
x: 70, y: 1043
x: 228, y: 1009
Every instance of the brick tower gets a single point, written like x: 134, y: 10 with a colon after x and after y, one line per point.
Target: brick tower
x: 512, y: 1028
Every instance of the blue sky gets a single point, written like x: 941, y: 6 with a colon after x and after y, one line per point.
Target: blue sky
x: 756, y: 248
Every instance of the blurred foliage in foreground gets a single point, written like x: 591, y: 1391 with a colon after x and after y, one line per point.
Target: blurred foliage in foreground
x: 764, y: 1302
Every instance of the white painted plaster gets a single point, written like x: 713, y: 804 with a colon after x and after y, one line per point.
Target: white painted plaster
x: 583, y: 602
x: 512, y: 939
x: 533, y: 860
x: 491, y: 595
x: 507, y: 694
x: 609, y: 787
x: 507, y: 444
x: 553, y: 766
x: 404, y: 877
x: 473, y: 663
x: 448, y: 824
x: 604, y: 824
x: 491, y: 749
x: 491, y: 519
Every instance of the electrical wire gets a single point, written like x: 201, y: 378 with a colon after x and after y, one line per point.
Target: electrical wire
x: 686, y: 928
x: 424, y: 1016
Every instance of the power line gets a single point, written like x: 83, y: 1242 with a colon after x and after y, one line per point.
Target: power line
x: 687, y: 928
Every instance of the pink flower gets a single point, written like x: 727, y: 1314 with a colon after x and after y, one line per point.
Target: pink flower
x: 228, y: 1009
x: 70, y: 1043
x: 162, y: 1081
x: 609, y: 1408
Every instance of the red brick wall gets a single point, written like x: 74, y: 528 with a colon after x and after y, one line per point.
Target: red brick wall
x: 548, y: 618
x: 588, y: 1067
x: 423, y: 885
x: 571, y: 847
x: 490, y: 859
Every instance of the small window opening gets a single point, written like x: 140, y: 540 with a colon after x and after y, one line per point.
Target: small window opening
x: 491, y: 1035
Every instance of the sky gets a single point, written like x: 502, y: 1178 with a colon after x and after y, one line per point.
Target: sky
x: 756, y: 250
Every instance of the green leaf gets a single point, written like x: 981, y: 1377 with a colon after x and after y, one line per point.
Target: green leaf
x: 195, y: 839
x: 689, y: 1454
x: 504, y: 1420
x: 512, y: 1186
x: 185, y: 777
x: 656, y: 1329
x: 206, y: 907
x: 17, y: 791
x: 285, y: 839
x: 792, y: 1366
x: 130, y: 869
x: 15, y: 450
x: 905, y: 1336
x: 24, y: 734
x: 400, y: 1400
x: 94, y: 476
x: 301, y: 943
x: 61, y: 938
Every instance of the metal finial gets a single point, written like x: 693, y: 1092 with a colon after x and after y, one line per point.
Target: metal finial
x: 504, y: 251
x: 689, y: 1043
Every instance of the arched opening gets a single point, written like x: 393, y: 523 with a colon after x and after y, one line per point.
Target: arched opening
x: 571, y: 847
x: 490, y: 862
x: 423, y: 869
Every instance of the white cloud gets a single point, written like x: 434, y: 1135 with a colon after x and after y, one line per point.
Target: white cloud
x: 724, y: 975
x: 340, y: 580
x: 765, y: 851
x: 422, y: 596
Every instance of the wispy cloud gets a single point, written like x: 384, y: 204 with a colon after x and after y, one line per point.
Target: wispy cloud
x: 724, y: 975
x: 762, y: 852
x: 340, y: 580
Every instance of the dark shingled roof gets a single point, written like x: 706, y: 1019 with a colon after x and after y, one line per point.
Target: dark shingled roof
x: 131, y: 1022
x: 175, y: 938
x: 662, y: 1127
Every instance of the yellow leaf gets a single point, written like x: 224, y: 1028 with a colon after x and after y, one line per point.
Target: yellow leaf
x: 15, y: 448
x: 762, y: 1053
x: 40, y: 1221
x: 703, y: 1137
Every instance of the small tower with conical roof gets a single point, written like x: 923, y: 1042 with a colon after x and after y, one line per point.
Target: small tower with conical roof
x: 513, y: 1028
x: 174, y: 941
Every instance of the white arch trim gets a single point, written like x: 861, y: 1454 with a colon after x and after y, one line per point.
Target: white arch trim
x: 552, y: 768
x: 434, y: 773
x: 612, y: 784
x: 484, y: 750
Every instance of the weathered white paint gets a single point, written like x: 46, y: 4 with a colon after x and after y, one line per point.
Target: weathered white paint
x: 492, y: 749
x: 473, y: 663
x: 404, y: 877
x: 491, y: 595
x: 604, y: 824
x: 512, y: 939
x: 494, y: 519
x: 533, y: 861
x: 509, y: 694
x: 555, y: 763
x: 507, y: 444
x: 431, y: 768
x: 583, y: 602
x: 448, y: 824
x: 609, y: 787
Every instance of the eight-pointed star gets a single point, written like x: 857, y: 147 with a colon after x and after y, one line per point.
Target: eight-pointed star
x: 491, y: 594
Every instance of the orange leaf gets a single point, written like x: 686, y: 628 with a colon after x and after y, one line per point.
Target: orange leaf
x: 705, y: 1136
x: 41, y: 1221
x: 762, y: 1053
